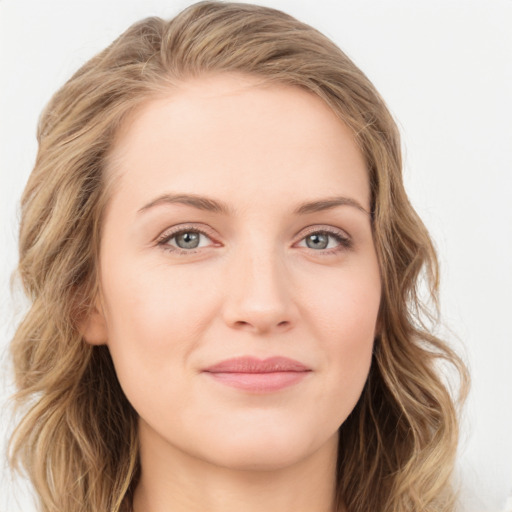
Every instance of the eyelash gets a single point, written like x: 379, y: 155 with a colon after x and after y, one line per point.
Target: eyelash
x: 163, y: 241
x: 344, y: 241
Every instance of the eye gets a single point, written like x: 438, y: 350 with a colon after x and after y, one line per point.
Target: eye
x: 185, y: 240
x: 326, y: 240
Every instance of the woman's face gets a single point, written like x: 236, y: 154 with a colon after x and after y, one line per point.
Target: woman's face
x: 239, y: 280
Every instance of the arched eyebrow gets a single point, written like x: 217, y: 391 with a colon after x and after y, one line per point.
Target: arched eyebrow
x: 199, y: 202
x: 328, y: 204
x: 215, y: 206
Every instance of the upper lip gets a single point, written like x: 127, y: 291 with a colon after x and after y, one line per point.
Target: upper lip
x: 249, y: 364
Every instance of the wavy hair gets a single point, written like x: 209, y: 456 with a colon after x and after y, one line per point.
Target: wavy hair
x: 77, y: 439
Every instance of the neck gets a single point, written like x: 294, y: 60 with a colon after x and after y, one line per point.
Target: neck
x: 173, y: 481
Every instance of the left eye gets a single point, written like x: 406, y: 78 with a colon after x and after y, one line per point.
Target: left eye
x: 321, y: 240
x: 187, y: 240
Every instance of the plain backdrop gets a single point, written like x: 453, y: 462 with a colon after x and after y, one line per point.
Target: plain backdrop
x: 445, y: 70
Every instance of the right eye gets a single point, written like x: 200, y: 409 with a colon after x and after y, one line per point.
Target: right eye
x: 185, y: 241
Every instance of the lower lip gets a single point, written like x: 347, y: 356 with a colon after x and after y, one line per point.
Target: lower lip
x: 259, y: 382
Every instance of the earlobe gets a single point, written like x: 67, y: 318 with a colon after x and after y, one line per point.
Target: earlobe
x: 94, y: 327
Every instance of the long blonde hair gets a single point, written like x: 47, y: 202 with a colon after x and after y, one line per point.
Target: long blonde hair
x: 78, y: 437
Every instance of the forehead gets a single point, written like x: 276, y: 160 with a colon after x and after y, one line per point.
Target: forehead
x: 237, y: 136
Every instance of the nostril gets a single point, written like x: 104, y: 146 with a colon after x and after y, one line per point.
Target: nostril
x: 261, y: 326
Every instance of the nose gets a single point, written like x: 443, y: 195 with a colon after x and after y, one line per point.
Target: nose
x: 259, y: 296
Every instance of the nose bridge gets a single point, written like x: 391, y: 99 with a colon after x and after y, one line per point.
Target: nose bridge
x: 258, y: 293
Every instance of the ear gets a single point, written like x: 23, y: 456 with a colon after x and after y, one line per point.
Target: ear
x: 93, y: 326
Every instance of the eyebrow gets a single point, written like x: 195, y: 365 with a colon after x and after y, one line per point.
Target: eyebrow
x: 215, y: 206
x: 328, y: 204
x: 199, y: 202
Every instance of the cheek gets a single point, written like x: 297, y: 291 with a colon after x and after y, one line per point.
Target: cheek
x: 155, y: 317
x: 155, y: 321
x: 345, y: 316
x: 344, y: 305
x: 155, y: 305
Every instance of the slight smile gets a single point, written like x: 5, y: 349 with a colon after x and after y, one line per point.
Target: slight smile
x: 258, y: 376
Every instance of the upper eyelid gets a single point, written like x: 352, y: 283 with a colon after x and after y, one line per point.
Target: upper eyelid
x: 323, y: 227
x: 176, y: 230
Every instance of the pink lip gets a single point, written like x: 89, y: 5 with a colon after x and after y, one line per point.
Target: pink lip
x: 256, y: 375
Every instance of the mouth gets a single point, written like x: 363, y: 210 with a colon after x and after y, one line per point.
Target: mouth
x: 258, y: 375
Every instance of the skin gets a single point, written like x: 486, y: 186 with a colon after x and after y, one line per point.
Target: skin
x: 255, y: 285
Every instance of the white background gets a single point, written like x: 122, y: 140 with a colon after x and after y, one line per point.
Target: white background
x: 445, y: 70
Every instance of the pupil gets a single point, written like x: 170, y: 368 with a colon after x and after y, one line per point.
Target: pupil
x: 187, y: 240
x: 317, y: 241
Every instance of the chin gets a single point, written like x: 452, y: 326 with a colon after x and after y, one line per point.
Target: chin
x: 258, y: 459
x: 265, y: 451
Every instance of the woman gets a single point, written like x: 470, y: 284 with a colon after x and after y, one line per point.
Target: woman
x: 223, y: 267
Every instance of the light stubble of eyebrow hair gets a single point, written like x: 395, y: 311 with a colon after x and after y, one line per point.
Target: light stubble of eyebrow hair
x: 212, y: 205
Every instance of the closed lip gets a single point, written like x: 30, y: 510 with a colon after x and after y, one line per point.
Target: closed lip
x: 258, y: 376
x: 249, y: 364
